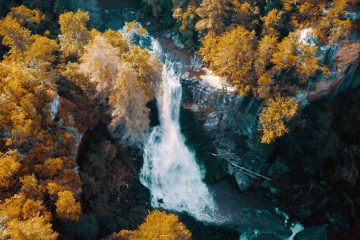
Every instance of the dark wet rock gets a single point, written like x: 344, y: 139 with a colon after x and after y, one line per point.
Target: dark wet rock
x: 315, y: 233
x: 314, y: 169
x: 348, y: 234
x: 251, y: 213
x: 228, y: 129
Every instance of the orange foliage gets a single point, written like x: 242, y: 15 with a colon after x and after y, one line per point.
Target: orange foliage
x: 34, y: 228
x: 67, y: 207
x: 9, y: 167
x: 158, y: 225
x: 26, y: 15
x: 273, y: 115
x: 74, y: 33
x: 225, y: 58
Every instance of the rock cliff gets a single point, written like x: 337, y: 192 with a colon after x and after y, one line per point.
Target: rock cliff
x: 314, y: 170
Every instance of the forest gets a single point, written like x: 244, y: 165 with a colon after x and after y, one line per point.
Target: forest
x: 63, y: 71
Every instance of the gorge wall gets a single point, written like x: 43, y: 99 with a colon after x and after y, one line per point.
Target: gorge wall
x: 314, y: 169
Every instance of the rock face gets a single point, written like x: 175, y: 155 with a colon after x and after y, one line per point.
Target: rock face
x: 226, y: 124
x: 314, y: 169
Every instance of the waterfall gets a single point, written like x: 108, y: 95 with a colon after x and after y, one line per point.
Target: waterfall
x: 170, y: 170
x: 174, y: 178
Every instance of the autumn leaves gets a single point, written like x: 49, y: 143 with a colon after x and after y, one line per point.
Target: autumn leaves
x: 260, y: 50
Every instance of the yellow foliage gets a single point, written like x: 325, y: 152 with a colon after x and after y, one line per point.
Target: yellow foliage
x: 34, y: 228
x: 186, y: 17
x: 67, y: 207
x: 130, y: 26
x: 264, y: 79
x: 14, y: 35
x: 292, y: 53
x: 9, y: 167
x: 276, y: 111
x: 142, y: 31
x: 158, y: 225
x: 306, y: 64
x: 40, y: 54
x: 265, y: 50
x: 213, y: 14
x: 19, y: 207
x: 50, y: 167
x: 27, y: 77
x: 326, y: 18
x: 285, y: 56
x: 271, y: 20
x: 242, y: 8
x: 30, y: 187
x: 226, y: 58
x: 54, y: 188
x: 33, y: 208
x: 26, y: 15
x: 74, y: 33
x: 116, y: 40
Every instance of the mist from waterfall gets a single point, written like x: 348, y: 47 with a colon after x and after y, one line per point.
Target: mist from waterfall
x: 170, y: 170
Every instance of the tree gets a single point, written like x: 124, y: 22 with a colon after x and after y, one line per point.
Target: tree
x: 14, y: 35
x: 50, y: 167
x: 272, y: 117
x: 271, y: 21
x: 285, y: 55
x: 53, y: 188
x: 158, y: 225
x: 293, y: 54
x: 245, y: 13
x: 213, y: 14
x: 67, y: 207
x: 326, y: 18
x: 186, y: 17
x: 9, y: 167
x: 31, y: 187
x: 128, y: 100
x: 125, y: 78
x: 21, y: 208
x: 74, y: 33
x: 116, y: 40
x: 100, y: 63
x: 34, y: 228
x: 226, y: 59
x: 25, y: 15
x: 265, y: 50
x: 307, y: 64
x: 40, y: 54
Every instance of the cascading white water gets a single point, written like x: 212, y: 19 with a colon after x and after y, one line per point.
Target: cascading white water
x: 170, y: 170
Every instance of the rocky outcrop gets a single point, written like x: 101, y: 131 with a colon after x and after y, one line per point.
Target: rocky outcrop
x: 314, y: 169
x: 226, y: 125
x: 344, y: 60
